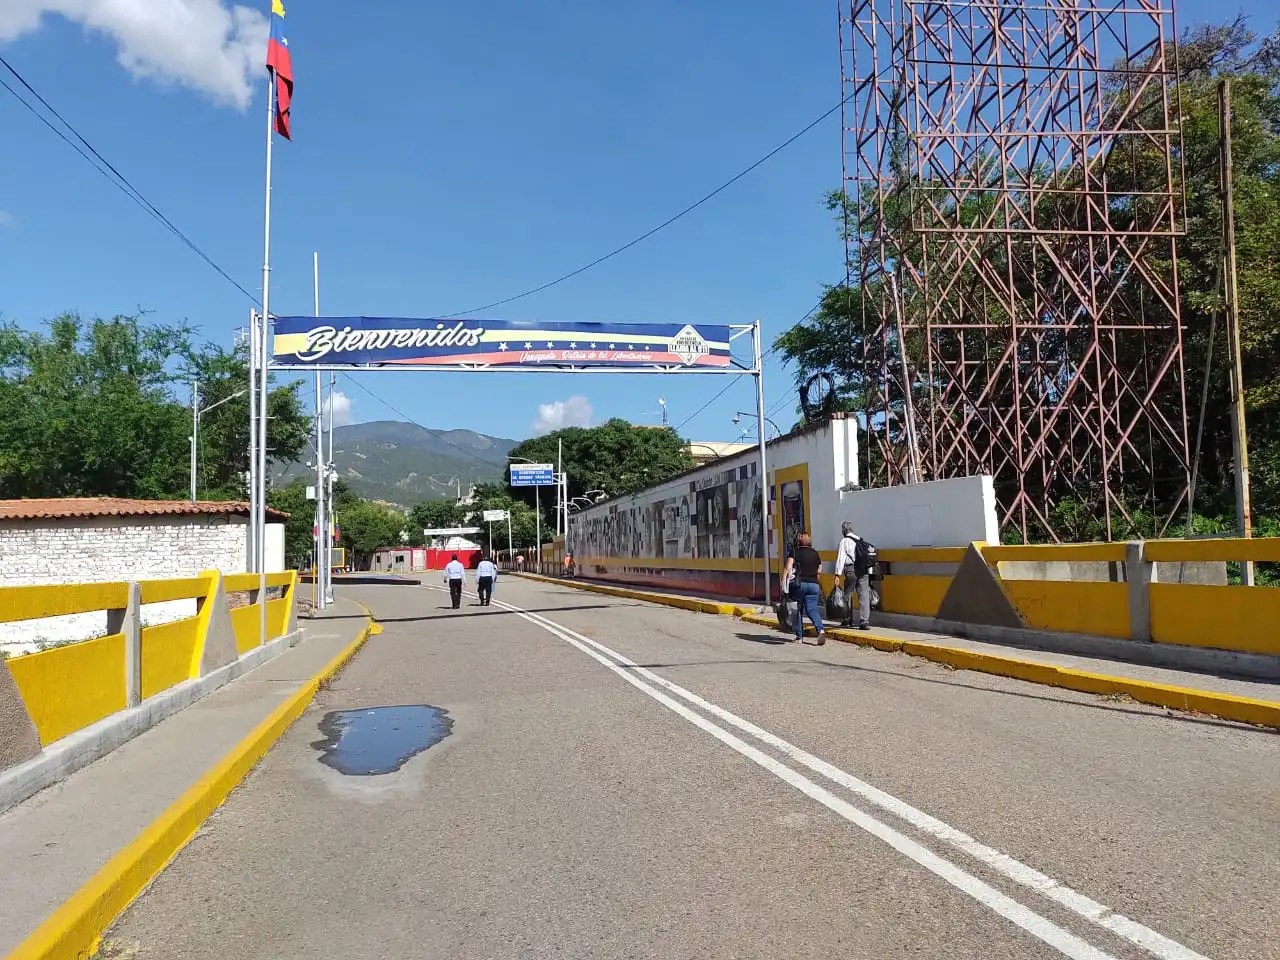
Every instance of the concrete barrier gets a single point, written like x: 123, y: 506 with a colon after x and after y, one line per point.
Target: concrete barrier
x: 64, y: 707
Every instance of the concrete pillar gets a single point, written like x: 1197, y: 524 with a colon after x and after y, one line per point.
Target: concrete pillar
x: 128, y: 621
x: 1139, y: 572
x: 219, y: 635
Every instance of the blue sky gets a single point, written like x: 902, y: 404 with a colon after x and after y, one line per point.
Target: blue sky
x: 445, y: 155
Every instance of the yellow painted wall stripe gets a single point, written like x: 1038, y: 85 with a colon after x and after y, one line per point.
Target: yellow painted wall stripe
x: 182, y: 588
x: 240, y: 582
x: 246, y: 621
x: 915, y: 595
x: 167, y: 649
x: 1261, y: 549
x: 69, y: 687
x: 1100, y: 609
x: 1245, y: 619
x: 57, y: 600
x: 1055, y: 552
x: 74, y: 930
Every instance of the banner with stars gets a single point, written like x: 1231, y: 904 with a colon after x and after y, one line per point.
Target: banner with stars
x: 369, y: 342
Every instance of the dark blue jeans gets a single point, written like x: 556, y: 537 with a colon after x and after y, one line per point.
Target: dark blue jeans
x: 810, y: 597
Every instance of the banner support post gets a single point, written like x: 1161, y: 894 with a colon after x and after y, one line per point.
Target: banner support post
x: 764, y: 470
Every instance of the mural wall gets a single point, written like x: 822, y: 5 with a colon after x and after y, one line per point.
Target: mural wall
x: 715, y: 517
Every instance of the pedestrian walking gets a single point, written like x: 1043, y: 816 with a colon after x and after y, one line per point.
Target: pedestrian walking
x: 454, y: 574
x: 520, y: 562
x: 803, y: 565
x: 486, y: 578
x: 855, y: 562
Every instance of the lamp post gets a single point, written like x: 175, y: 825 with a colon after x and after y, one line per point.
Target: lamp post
x: 737, y: 418
x: 196, y: 412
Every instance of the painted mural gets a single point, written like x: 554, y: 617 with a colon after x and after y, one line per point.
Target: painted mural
x: 715, y: 517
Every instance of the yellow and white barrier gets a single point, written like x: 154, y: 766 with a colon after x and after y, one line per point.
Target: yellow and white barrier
x: 101, y: 691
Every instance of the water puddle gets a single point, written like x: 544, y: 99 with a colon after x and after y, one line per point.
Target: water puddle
x: 379, y: 740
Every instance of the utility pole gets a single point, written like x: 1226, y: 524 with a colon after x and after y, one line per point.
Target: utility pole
x: 195, y: 435
x: 1231, y: 291
x: 319, y: 594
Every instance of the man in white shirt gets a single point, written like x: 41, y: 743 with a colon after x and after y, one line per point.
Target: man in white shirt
x: 855, y: 579
x: 454, y: 573
x: 486, y: 577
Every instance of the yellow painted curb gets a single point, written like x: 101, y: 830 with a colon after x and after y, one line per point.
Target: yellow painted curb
x: 1225, y: 706
x: 74, y: 930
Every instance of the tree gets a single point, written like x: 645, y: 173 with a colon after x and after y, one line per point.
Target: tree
x: 86, y: 410
x: 366, y: 526
x: 224, y: 431
x: 617, y: 457
x: 433, y: 515
x: 299, y: 543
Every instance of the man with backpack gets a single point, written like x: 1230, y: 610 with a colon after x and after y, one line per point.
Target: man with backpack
x: 855, y: 562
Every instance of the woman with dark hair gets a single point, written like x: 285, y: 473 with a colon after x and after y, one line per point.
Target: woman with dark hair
x: 804, y: 564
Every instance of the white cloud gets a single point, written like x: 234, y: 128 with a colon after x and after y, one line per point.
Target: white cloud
x: 341, y: 403
x: 212, y: 46
x: 574, y: 412
x: 7, y: 219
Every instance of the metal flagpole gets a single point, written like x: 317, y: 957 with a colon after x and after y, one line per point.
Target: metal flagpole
x: 764, y: 470
x: 260, y: 386
x: 317, y: 583
x: 251, y: 539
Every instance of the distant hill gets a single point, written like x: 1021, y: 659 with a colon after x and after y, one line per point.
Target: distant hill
x: 403, y: 463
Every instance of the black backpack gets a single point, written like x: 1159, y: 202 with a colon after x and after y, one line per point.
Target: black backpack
x: 864, y: 557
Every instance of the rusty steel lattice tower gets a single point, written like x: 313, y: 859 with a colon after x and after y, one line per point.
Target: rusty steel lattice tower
x: 1013, y: 202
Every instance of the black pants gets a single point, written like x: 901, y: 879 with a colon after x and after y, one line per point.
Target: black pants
x: 484, y: 589
x: 455, y: 593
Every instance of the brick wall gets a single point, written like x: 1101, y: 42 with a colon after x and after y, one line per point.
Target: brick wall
x: 111, y: 548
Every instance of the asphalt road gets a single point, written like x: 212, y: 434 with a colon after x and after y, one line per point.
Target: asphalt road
x: 630, y: 781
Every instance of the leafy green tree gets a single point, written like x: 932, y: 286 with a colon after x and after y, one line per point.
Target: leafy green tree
x: 224, y: 430
x: 433, y: 514
x: 298, y: 541
x: 366, y: 526
x: 617, y: 457
x: 86, y: 410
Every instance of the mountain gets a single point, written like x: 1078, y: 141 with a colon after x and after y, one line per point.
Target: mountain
x: 403, y: 463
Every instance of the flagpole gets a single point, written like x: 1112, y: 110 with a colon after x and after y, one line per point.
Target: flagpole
x: 261, y: 425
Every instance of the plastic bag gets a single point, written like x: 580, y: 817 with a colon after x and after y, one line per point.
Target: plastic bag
x: 837, y: 604
x: 787, y: 612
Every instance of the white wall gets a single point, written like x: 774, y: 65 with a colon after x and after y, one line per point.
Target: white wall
x: 88, y: 549
x: 941, y: 513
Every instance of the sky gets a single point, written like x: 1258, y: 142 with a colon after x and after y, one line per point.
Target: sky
x: 445, y: 155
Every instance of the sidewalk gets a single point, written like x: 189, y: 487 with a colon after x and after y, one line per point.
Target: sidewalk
x: 55, y: 842
x: 1232, y: 698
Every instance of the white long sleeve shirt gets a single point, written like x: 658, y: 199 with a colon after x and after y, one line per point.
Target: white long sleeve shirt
x: 487, y: 568
x: 847, y: 556
x: 454, y: 570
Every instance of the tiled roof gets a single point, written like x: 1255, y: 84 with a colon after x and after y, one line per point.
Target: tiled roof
x: 63, y: 507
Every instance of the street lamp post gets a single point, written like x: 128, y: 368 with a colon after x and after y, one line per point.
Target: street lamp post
x: 196, y: 412
x: 737, y: 418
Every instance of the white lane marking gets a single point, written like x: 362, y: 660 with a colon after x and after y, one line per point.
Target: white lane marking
x: 1045, y: 930
x: 1155, y: 943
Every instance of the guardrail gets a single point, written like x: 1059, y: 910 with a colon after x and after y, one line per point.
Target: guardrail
x: 52, y: 694
x: 1156, y: 591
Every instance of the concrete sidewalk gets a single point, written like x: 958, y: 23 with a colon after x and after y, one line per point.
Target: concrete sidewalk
x: 52, y: 844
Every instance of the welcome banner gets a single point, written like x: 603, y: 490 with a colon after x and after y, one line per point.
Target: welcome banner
x: 363, y: 342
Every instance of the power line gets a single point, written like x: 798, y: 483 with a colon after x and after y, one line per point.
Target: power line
x: 114, y: 176
x: 649, y: 233
x: 725, y: 389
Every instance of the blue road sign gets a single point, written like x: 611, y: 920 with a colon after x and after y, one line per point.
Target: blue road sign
x: 533, y: 475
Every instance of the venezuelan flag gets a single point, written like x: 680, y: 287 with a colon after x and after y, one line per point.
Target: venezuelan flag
x: 281, y: 65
